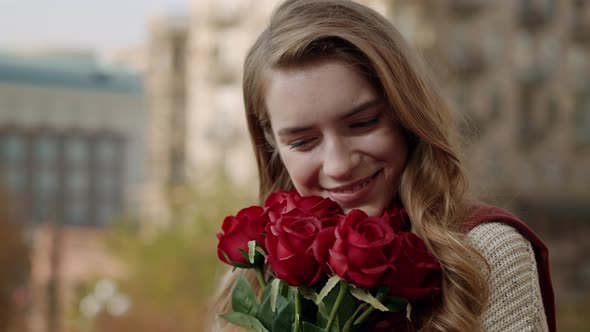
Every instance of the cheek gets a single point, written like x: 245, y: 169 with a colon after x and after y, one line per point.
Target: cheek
x: 302, y: 171
x: 390, y: 148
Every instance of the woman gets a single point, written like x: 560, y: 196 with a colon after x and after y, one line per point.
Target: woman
x: 337, y: 106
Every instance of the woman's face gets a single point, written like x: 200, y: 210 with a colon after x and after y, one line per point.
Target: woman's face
x: 333, y: 137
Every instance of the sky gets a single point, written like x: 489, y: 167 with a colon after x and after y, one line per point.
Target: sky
x: 99, y: 25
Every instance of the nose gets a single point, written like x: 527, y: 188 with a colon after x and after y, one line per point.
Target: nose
x: 339, y: 159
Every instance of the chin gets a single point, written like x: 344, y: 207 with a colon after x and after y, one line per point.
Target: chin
x: 371, y: 211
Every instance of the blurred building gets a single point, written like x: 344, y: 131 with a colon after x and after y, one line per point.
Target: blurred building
x: 166, y: 73
x: 520, y: 71
x: 220, y: 34
x: 71, y: 155
x: 71, y: 138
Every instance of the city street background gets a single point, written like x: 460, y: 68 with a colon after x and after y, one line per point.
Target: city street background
x: 123, y: 144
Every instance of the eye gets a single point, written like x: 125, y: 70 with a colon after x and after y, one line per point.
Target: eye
x: 365, y: 124
x: 302, y: 144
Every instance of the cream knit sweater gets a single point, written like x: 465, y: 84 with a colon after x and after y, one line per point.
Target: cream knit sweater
x: 515, y: 302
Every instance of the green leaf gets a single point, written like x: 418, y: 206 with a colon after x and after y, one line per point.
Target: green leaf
x: 292, y: 292
x: 308, y: 293
x: 397, y: 304
x: 275, y: 286
x: 346, y: 310
x: 330, y: 284
x: 251, y: 251
x: 309, y: 327
x: 323, y: 314
x: 284, y: 320
x: 243, y: 297
x: 243, y: 320
x: 364, y: 295
x: 225, y: 256
x: 234, y: 264
x: 244, y: 254
x: 265, y: 314
x: 261, y: 251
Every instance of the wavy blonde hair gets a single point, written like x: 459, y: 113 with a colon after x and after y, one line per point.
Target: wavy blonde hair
x: 433, y: 186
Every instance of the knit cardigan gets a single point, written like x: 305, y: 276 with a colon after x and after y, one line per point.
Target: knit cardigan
x: 521, y: 293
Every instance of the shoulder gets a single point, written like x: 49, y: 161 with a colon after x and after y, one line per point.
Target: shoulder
x: 505, y: 224
x: 515, y: 300
x: 496, y: 237
x: 505, y: 250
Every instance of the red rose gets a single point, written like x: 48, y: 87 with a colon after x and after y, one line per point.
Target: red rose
x: 416, y: 273
x: 363, y: 248
x: 390, y: 321
x: 398, y: 219
x: 247, y: 225
x: 283, y: 202
x: 323, y: 244
x: 289, y: 246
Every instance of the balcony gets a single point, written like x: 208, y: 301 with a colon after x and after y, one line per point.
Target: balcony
x: 580, y: 29
x: 537, y: 120
x: 226, y: 13
x: 532, y: 76
x: 468, y: 61
x: 467, y: 8
x: 536, y: 13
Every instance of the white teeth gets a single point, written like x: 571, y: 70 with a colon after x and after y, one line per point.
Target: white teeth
x: 355, y: 188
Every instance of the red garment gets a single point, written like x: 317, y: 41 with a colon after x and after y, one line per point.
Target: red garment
x: 484, y: 213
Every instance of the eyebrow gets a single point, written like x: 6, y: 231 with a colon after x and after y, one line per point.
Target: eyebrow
x: 357, y: 109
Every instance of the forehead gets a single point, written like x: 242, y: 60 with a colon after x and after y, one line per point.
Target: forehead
x: 312, y: 90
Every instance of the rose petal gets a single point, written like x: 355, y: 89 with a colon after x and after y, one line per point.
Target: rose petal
x: 322, y: 243
x: 363, y: 280
x: 338, y: 263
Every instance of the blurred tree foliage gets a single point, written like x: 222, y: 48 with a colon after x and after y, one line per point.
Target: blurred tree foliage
x: 173, y: 270
x: 14, y: 268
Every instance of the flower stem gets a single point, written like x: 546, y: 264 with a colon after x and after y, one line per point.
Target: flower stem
x: 348, y: 324
x: 343, y: 290
x: 297, y: 310
x: 367, y: 312
x: 260, y: 276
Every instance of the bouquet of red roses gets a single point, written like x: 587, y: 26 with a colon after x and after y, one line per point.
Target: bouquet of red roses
x: 323, y: 270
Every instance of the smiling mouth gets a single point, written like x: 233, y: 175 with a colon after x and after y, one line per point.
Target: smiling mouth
x: 354, y: 187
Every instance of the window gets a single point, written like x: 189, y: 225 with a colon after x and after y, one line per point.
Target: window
x: 106, y: 153
x: 76, y: 213
x: 578, y: 68
x: 45, y: 182
x: 105, y: 214
x: 535, y: 13
x: 14, y: 149
x: 43, y: 208
x: 495, y: 106
x: 14, y: 179
x: 582, y: 120
x: 45, y: 150
x: 178, y: 53
x: 76, y: 151
x: 77, y: 182
x: 106, y: 186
